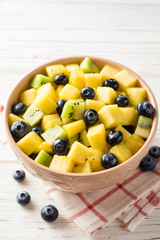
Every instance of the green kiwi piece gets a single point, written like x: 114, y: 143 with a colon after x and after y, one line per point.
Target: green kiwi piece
x: 43, y: 158
x: 39, y: 80
x: 33, y: 115
x: 144, y: 125
x: 87, y: 66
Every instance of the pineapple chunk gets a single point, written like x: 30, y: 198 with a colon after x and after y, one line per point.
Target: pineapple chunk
x: 134, y: 143
x: 97, y: 138
x: 59, y: 88
x: 136, y: 95
x: 30, y: 143
x: 93, y: 80
x: 54, y: 70
x: 83, y: 168
x: 46, y: 147
x: 14, y: 118
x: 78, y: 153
x: 62, y: 164
x: 46, y: 104
x: 130, y: 115
x: 50, y: 120
x: 74, y: 128
x: 77, y: 79
x: 94, y: 157
x: 28, y: 96
x: 92, y: 104
x: 47, y: 89
x: 108, y: 71
x: 110, y: 116
x: 84, y: 138
x: 69, y: 92
x: 122, y: 152
x: 126, y: 134
x: 71, y: 67
x: 125, y: 79
x: 106, y: 95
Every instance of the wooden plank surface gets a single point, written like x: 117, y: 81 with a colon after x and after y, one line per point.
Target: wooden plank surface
x: 35, y: 31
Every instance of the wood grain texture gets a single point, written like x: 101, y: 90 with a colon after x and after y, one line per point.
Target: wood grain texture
x: 35, y: 31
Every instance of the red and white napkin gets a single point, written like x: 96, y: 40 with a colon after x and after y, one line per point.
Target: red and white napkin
x: 130, y: 200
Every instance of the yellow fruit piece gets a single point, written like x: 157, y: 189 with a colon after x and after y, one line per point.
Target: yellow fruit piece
x: 134, y: 143
x: 84, y: 138
x: 110, y: 116
x: 93, y: 104
x: 49, y: 121
x: 59, y: 88
x: 121, y: 93
x: 74, y: 128
x: 108, y: 71
x: 126, y: 134
x: 30, y: 143
x: 14, y: 118
x: 93, y: 80
x: 46, y: 147
x: 94, y: 157
x: 69, y: 92
x: 97, y: 138
x: 28, y: 96
x: 47, y: 89
x: 130, y: 115
x: 77, y: 79
x: 83, y: 168
x: 54, y: 70
x: 122, y: 152
x: 78, y: 153
x: 136, y: 95
x: 125, y: 80
x: 62, y: 164
x: 106, y: 95
x: 71, y: 67
x: 45, y: 104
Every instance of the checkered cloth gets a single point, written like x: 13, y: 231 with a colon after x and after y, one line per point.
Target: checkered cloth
x: 130, y: 200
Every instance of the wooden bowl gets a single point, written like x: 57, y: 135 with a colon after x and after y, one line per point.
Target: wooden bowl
x: 74, y: 182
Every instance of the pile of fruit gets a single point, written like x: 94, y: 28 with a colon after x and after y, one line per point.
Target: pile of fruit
x: 80, y: 118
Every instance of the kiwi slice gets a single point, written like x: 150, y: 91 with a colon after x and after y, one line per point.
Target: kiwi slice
x: 39, y: 80
x: 43, y: 158
x: 143, y: 126
x: 87, y: 66
x: 80, y: 137
x: 33, y: 115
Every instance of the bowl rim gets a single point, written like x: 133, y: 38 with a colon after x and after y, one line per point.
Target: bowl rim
x: 15, y: 148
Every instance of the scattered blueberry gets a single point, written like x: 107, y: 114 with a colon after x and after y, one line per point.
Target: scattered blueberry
x: 154, y: 151
x: 114, y: 137
x: 148, y: 163
x: 90, y: 117
x: 61, y: 147
x: 23, y: 198
x: 109, y: 160
x: 60, y: 105
x: 19, y: 175
x: 49, y: 213
x: 61, y: 79
x: 18, y: 108
x: 87, y: 93
x: 122, y: 101
x: 111, y: 83
x: 33, y: 156
x: 37, y: 130
x: 145, y: 108
x: 19, y: 129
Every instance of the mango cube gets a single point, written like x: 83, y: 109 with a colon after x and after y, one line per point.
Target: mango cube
x: 134, y: 143
x: 50, y: 120
x: 108, y: 71
x: 122, y: 152
x: 59, y: 88
x: 130, y: 115
x: 28, y: 96
x: 45, y: 104
x: 74, y: 128
x: 83, y: 168
x: 92, y: 104
x: 93, y: 80
x: 54, y: 70
x: 94, y: 157
x: 78, y: 153
x: 136, y: 95
x: 77, y: 79
x: 125, y: 79
x: 69, y: 92
x: 47, y: 89
x: 14, y: 118
x: 62, y: 164
x: 71, y: 67
x: 46, y: 147
x: 106, y: 95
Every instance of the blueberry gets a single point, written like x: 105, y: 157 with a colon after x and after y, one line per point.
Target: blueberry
x: 37, y: 130
x: 145, y: 108
x: 19, y: 129
x: 61, y: 79
x: 49, y: 213
x: 154, y: 151
x: 109, y: 160
x: 114, y: 137
x: 122, y: 101
x: 148, y: 163
x: 60, y: 105
x: 111, y: 83
x: 19, y: 108
x: 19, y: 175
x: 61, y: 147
x: 87, y: 93
x: 90, y: 117
x: 33, y: 156
x: 23, y: 198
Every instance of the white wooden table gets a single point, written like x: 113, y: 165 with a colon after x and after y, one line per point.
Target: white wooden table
x: 35, y: 31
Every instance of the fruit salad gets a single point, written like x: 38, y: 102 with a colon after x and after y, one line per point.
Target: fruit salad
x: 79, y: 118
